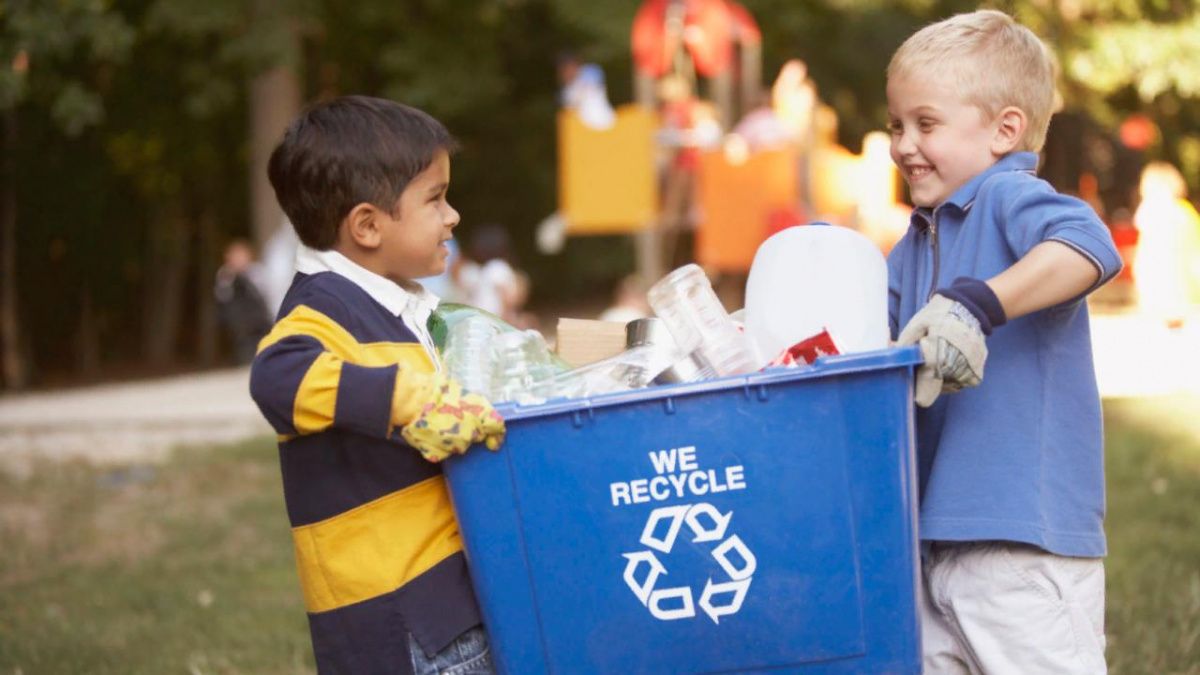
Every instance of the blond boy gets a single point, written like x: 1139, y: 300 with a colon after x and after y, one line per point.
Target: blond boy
x: 995, y: 267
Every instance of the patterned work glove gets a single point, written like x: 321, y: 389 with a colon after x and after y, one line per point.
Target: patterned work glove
x: 451, y: 421
x: 950, y: 331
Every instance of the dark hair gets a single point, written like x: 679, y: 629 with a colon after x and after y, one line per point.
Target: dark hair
x: 566, y: 57
x: 347, y: 151
x: 490, y: 241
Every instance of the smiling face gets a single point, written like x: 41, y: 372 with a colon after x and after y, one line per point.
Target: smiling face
x: 414, y: 238
x: 939, y: 140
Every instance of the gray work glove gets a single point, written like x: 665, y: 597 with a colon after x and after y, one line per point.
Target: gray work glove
x: 952, y: 343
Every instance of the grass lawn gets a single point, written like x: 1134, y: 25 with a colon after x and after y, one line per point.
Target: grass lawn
x: 187, y: 567
x: 1153, y: 465
x: 183, y: 568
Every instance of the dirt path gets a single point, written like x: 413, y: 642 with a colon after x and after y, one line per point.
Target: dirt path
x: 134, y: 421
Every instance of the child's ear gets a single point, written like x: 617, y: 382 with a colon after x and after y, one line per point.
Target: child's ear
x: 363, y: 225
x: 1010, y: 129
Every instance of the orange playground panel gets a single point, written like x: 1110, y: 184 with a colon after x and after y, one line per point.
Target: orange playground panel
x: 737, y: 202
x: 606, y: 177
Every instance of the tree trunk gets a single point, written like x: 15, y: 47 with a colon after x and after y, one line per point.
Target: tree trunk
x: 274, y: 103
x: 206, y: 307
x: 87, y: 339
x: 15, y: 370
x: 166, y: 267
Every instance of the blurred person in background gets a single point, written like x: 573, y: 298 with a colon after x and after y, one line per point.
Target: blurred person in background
x: 1166, y: 267
x: 241, y: 305
x: 689, y: 126
x: 584, y: 91
x: 629, y: 301
x: 490, y: 281
x: 761, y: 129
x: 278, y: 264
x: 448, y: 285
x: 794, y: 100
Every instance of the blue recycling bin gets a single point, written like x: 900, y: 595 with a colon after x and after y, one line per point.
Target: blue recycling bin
x: 759, y: 522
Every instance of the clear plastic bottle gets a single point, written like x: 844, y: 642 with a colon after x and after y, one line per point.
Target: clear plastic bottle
x: 633, y: 368
x: 637, y: 366
x: 685, y: 300
x: 524, y: 370
x: 470, y: 354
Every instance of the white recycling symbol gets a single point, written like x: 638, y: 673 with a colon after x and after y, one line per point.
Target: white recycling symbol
x: 681, y: 605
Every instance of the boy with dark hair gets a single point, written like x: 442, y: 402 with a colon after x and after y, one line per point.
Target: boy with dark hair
x: 350, y: 380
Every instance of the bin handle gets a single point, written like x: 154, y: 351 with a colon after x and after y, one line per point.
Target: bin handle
x: 577, y: 415
x: 760, y: 388
x: 669, y: 405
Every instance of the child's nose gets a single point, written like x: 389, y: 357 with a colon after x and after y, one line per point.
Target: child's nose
x: 902, y: 144
x: 452, y: 217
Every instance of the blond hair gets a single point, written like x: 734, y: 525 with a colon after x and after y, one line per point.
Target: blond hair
x: 995, y: 62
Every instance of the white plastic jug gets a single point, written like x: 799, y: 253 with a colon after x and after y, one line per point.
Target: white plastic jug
x: 805, y: 279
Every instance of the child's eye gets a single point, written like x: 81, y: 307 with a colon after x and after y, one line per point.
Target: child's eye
x: 925, y: 124
x: 895, y: 127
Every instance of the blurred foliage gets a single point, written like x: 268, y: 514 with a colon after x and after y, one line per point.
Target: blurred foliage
x: 1151, y: 58
x: 61, y: 57
x: 133, y: 119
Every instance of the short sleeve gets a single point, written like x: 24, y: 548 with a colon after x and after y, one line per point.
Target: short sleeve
x: 1032, y: 212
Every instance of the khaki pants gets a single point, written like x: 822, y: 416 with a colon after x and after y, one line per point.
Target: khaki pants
x: 997, y: 608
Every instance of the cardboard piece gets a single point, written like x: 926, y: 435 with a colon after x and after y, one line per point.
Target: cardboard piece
x: 584, y: 341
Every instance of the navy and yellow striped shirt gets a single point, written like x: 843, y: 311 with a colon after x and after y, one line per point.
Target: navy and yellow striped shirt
x: 377, y: 545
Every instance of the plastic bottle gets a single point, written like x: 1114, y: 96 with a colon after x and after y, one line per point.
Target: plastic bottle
x: 633, y: 368
x: 601, y: 377
x: 685, y: 300
x: 524, y: 370
x: 469, y: 354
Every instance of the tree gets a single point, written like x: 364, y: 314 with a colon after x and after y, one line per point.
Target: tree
x: 132, y: 125
x: 1120, y: 58
x: 58, y: 56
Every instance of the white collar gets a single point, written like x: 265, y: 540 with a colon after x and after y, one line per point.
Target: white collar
x: 418, y: 303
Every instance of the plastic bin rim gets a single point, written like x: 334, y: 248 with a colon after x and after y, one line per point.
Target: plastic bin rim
x: 892, y: 357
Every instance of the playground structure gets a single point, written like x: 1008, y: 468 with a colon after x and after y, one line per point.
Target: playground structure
x: 724, y: 162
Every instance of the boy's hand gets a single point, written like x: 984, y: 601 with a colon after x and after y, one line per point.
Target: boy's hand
x: 951, y: 330
x: 452, y: 421
x: 952, y: 343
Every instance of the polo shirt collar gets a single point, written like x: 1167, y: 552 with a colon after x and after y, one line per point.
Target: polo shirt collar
x: 415, y: 302
x: 964, y: 197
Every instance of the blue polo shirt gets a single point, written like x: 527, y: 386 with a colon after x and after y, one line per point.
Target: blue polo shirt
x: 1020, y: 457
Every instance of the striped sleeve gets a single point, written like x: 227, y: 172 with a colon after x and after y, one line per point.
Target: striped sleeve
x: 311, y: 374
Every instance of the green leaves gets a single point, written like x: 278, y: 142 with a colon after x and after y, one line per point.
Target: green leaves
x: 142, y: 108
x: 76, y: 108
x: 1153, y: 58
x: 56, y: 55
